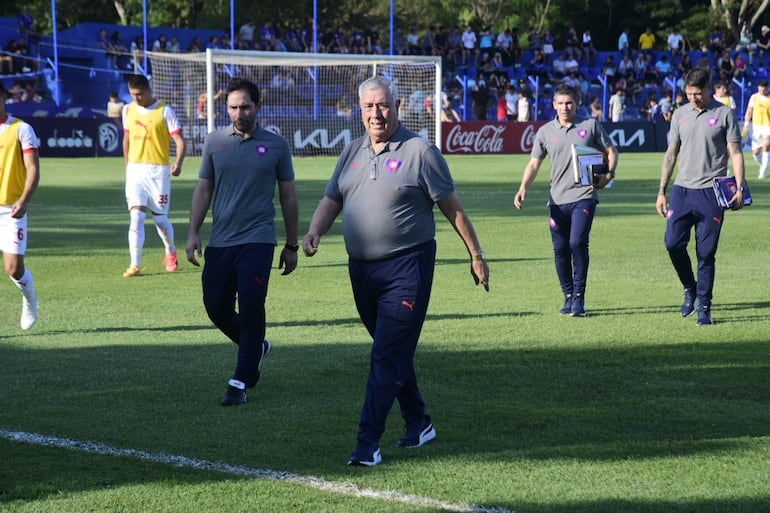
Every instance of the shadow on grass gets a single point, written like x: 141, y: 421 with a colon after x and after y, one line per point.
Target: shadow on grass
x: 642, y: 506
x: 493, y: 407
x: 317, y: 323
x: 725, y: 311
x: 131, y: 329
x: 313, y: 264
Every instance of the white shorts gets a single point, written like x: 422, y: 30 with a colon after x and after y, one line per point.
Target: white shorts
x: 758, y: 135
x: 13, y: 232
x: 148, y: 185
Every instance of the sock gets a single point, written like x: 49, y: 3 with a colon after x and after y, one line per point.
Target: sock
x: 237, y: 384
x: 26, y: 285
x: 136, y: 236
x: 763, y: 165
x: 165, y: 231
x: 756, y: 157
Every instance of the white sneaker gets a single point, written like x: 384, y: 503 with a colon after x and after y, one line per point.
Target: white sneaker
x: 28, y: 312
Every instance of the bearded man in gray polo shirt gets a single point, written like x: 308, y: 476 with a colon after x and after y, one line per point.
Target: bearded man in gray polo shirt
x: 703, y: 133
x: 240, y: 167
x: 385, y: 185
x: 571, y: 206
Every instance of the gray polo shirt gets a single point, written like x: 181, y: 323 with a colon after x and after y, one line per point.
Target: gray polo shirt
x: 245, y: 172
x: 387, y: 199
x: 556, y: 140
x: 702, y: 138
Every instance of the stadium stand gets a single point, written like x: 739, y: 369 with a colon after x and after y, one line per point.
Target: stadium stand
x: 84, y: 70
x: 86, y: 75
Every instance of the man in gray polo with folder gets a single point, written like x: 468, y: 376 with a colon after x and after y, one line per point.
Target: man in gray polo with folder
x: 571, y: 205
x: 703, y: 133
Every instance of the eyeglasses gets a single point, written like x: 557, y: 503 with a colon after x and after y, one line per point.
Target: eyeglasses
x: 373, y: 173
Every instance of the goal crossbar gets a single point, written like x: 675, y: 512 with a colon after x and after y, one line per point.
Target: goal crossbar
x: 310, y: 99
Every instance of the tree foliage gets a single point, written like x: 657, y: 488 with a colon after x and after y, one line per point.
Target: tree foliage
x: 731, y: 14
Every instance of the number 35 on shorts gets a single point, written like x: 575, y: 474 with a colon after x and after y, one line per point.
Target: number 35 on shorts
x: 163, y: 199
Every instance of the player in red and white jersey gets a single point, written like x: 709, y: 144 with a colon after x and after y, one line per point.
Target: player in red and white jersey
x: 149, y: 126
x: 758, y: 114
x: 19, y: 176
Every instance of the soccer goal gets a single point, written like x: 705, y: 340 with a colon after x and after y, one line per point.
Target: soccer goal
x: 310, y: 99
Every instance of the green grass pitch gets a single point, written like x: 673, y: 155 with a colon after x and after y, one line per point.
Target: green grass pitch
x: 632, y: 409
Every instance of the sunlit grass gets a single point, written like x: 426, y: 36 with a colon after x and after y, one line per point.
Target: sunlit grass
x: 632, y: 409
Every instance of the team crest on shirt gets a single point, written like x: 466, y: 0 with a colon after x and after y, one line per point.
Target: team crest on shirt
x: 393, y: 165
x: 582, y: 133
x: 261, y: 150
x: 712, y: 121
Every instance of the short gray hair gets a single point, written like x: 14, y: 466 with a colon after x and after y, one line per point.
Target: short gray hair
x: 378, y: 82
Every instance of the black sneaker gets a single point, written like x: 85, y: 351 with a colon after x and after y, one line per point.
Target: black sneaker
x: 234, y: 396
x: 567, y: 308
x: 688, y: 305
x: 418, y: 434
x: 367, y: 454
x: 704, y: 315
x: 578, y: 306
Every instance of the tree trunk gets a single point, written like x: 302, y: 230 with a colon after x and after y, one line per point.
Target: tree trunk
x: 543, y: 17
x: 121, y: 10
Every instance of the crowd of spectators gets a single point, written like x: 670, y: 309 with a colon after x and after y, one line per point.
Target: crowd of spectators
x: 645, y: 74
x: 19, y: 60
x: 16, y: 57
x: 646, y: 69
x: 23, y: 91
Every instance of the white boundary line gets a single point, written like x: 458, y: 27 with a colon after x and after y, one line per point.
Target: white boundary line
x: 240, y: 470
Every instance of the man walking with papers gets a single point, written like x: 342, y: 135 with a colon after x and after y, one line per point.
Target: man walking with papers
x: 704, y: 132
x: 571, y: 203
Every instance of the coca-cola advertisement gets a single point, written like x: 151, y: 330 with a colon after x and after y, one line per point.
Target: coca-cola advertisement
x: 475, y: 137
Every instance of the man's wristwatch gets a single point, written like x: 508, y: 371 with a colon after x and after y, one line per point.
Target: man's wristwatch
x: 480, y: 256
x: 292, y: 247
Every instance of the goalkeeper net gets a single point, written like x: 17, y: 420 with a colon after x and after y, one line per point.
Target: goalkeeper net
x: 309, y: 99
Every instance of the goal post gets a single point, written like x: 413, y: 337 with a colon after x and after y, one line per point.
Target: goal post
x: 310, y: 99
